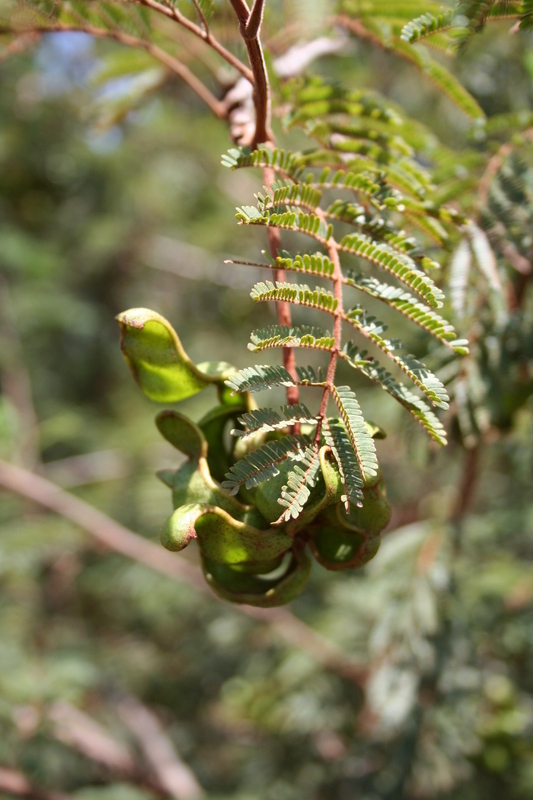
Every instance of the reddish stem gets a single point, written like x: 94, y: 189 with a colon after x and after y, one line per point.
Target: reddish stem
x: 338, y: 278
x: 283, y: 309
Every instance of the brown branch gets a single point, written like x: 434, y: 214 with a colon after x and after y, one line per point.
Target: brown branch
x: 468, y: 482
x: 18, y: 45
x: 80, y: 732
x: 121, y: 540
x: 357, y: 28
x: 83, y: 734
x: 16, y: 381
x: 162, y: 56
x: 202, y: 16
x: 493, y: 167
x: 338, y: 279
x: 174, y: 777
x: 253, y: 26
x: 172, y: 13
x: 263, y: 133
x: 16, y: 783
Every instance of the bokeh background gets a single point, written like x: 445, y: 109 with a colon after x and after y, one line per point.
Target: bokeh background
x: 101, y: 211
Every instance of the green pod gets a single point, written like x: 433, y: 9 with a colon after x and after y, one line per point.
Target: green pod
x: 192, y: 482
x: 158, y: 362
x: 222, y: 538
x: 327, y: 491
x: 338, y: 548
x: 372, y: 517
x: 263, y: 591
x: 375, y: 513
x: 213, y: 427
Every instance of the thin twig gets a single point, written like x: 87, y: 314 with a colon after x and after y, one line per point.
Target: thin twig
x: 493, y: 167
x: 80, y: 732
x: 16, y: 783
x: 16, y: 382
x: 263, y: 133
x: 338, y: 279
x: 174, y: 776
x: 118, y: 538
x: 162, y: 56
x: 283, y: 308
x: 18, y: 45
x: 202, y: 16
x: 467, y: 484
x: 253, y: 26
x: 172, y: 12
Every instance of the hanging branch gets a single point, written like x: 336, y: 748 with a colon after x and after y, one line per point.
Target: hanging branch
x: 250, y: 28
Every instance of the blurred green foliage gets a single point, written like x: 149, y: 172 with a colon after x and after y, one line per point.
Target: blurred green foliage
x: 96, y: 219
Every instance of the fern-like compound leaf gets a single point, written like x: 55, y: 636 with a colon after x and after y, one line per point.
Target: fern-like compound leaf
x: 352, y: 480
x: 442, y: 78
x: 526, y: 14
x: 407, y: 305
x: 411, y: 366
x: 427, y: 24
x: 414, y: 404
x: 378, y: 228
x: 317, y: 98
x: 262, y: 464
x: 255, y: 379
x: 283, y: 162
x: 299, y: 294
x: 312, y: 264
x: 283, y: 336
x: 361, y: 440
x: 289, y: 194
x: 267, y: 419
x: 374, y: 187
x: 296, y: 493
x: 308, y: 376
x: 294, y: 220
x: 400, y: 265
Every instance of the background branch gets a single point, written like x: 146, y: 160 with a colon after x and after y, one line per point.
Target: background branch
x: 118, y: 538
x: 161, y: 55
x: 15, y: 783
x: 173, y: 775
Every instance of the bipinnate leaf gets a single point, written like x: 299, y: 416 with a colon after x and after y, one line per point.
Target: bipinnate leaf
x: 414, y: 404
x: 358, y: 433
x: 262, y: 464
x: 397, y: 298
x: 255, y: 379
x: 351, y: 476
x: 157, y: 360
x: 307, y: 336
x: 299, y: 294
x: 267, y: 419
x: 398, y: 264
x: 301, y: 479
